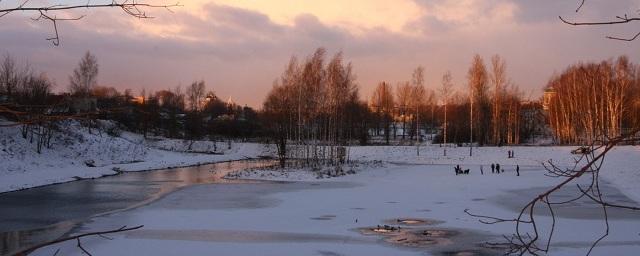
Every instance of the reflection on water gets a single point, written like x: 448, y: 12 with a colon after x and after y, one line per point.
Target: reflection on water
x: 42, y: 214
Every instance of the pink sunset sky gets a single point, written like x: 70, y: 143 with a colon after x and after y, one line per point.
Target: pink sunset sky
x: 240, y: 47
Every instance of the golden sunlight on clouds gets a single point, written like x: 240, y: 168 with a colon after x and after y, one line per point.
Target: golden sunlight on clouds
x: 473, y: 12
x: 353, y: 15
x: 403, y: 17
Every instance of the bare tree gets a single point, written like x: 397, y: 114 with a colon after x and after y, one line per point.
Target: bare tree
x: 316, y: 105
x: 195, y: 95
x: 8, y: 76
x: 512, y: 101
x: 589, y: 99
x: 445, y: 91
x: 585, y: 109
x: 498, y: 79
x: 50, y: 13
x: 278, y: 119
x: 85, y: 76
x: 342, y: 91
x: 383, y: 104
x: 478, y: 85
x: 432, y: 103
x: 403, y: 100
x: 417, y: 101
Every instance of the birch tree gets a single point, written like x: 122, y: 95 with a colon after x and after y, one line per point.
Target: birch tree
x: 85, y: 76
x: 418, y: 98
x: 477, y: 79
x: 498, y: 79
x: 590, y: 99
x: 445, y: 91
x: 403, y: 101
x: 383, y: 103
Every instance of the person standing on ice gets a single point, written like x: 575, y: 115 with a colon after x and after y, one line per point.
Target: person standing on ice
x: 517, y: 170
x: 493, y: 168
x: 498, y: 168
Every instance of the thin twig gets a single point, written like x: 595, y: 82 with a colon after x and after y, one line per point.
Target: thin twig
x: 77, y: 237
x: 624, y: 19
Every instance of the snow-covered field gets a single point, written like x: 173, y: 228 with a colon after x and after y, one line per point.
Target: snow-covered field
x: 324, y: 217
x: 621, y: 166
x: 318, y: 215
x: 74, y: 146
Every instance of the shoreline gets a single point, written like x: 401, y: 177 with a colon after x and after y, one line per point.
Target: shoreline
x: 136, y: 171
x: 618, y: 169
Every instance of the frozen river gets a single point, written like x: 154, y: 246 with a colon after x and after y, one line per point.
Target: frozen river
x: 192, y: 211
x: 45, y: 213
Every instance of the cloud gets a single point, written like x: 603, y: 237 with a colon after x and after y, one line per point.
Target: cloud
x: 353, y: 15
x: 239, y: 50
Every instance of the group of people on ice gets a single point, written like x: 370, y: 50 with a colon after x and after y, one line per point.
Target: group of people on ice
x: 495, y: 168
x: 460, y: 171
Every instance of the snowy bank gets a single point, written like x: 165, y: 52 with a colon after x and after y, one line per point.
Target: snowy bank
x: 75, y: 148
x: 78, y: 153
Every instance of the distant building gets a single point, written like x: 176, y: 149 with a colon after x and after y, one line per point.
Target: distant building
x: 549, y: 95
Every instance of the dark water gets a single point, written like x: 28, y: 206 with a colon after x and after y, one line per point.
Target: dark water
x: 46, y: 213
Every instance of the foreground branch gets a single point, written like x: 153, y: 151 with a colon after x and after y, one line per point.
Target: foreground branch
x: 48, y: 13
x: 77, y: 238
x: 526, y: 239
x: 624, y: 19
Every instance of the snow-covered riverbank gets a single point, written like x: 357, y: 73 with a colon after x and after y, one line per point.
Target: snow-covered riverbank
x: 75, y: 149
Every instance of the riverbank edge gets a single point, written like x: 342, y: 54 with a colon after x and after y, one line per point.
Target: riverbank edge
x: 115, y: 173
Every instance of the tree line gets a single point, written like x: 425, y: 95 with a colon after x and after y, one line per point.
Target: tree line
x: 594, y: 101
x: 194, y: 112
x: 314, y: 110
x: 488, y: 110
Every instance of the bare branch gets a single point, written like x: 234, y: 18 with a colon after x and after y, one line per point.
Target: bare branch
x: 580, y: 6
x: 129, y: 7
x: 613, y: 22
x: 617, y: 21
x: 524, y: 242
x: 625, y: 39
x: 77, y: 238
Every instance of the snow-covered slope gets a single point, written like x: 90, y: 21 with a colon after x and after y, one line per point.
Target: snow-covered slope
x: 74, y: 148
